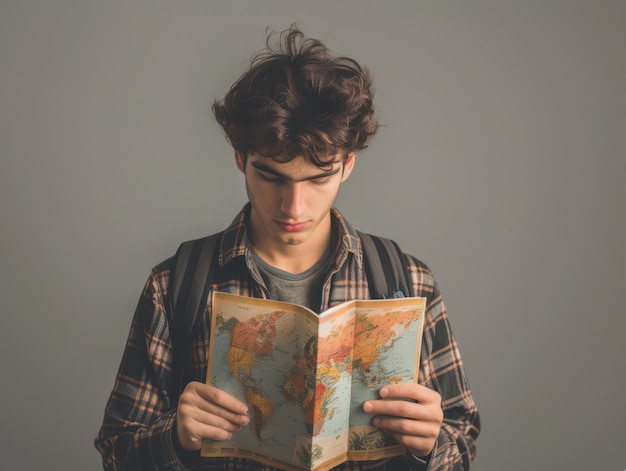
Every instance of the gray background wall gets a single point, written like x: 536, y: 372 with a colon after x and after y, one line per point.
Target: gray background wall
x: 501, y: 164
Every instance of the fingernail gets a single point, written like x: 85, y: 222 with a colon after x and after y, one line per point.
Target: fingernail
x: 384, y: 392
x: 367, y: 407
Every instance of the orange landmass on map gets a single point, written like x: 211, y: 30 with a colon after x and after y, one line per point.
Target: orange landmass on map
x: 370, y: 333
x: 337, y: 346
x: 251, y: 340
x: 261, y: 409
x: 327, y: 376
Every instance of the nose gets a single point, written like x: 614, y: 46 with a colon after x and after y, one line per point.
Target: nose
x: 293, y: 201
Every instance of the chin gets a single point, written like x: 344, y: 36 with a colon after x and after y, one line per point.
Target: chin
x: 293, y: 240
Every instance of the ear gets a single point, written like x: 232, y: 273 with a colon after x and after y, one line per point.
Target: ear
x: 348, y: 166
x: 241, y: 161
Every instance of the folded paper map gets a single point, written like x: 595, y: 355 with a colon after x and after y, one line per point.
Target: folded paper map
x: 305, y: 376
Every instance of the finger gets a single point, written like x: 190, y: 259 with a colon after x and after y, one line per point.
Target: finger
x: 197, y: 400
x: 418, y: 437
x: 403, y: 408
x: 218, y: 411
x: 222, y: 398
x: 213, y: 420
x: 194, y: 424
x: 414, y: 391
x: 191, y: 433
x: 197, y: 408
x: 403, y: 426
x: 211, y: 432
x: 395, y: 408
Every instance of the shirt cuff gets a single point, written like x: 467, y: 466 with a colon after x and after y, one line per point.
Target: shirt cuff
x: 189, y: 459
x: 418, y: 464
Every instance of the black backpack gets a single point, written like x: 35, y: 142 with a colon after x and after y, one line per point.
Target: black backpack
x: 189, y: 284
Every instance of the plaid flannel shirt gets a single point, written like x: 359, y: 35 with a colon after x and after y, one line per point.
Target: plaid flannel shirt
x: 139, y: 427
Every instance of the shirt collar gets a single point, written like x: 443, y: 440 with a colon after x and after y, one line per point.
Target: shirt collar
x: 234, y: 240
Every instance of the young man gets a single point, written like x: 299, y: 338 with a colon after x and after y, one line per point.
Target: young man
x: 295, y: 120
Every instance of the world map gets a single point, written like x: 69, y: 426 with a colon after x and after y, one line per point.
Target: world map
x: 305, y: 378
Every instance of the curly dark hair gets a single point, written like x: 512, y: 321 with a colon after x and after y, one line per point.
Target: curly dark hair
x: 299, y: 100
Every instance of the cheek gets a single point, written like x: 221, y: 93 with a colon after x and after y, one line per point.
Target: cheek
x: 261, y: 195
x: 326, y: 198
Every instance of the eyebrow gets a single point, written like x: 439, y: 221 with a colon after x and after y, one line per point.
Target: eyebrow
x: 267, y: 169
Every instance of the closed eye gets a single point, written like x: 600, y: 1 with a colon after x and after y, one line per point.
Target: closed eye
x: 270, y: 179
x: 321, y: 181
x: 270, y: 176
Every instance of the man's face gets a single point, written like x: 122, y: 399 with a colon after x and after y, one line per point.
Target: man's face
x: 291, y: 201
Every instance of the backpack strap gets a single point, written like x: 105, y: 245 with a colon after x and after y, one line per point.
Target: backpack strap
x: 189, y: 285
x: 191, y: 281
x: 386, y: 268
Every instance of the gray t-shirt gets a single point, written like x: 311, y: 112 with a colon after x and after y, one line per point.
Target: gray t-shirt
x: 302, y: 288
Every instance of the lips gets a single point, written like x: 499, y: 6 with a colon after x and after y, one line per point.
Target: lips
x: 300, y: 226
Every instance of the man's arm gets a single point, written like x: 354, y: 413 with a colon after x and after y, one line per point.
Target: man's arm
x: 142, y: 428
x: 139, y: 418
x: 440, y: 421
x: 442, y: 370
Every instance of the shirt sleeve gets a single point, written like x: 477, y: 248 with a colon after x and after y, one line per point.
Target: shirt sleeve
x: 139, y: 420
x: 442, y: 370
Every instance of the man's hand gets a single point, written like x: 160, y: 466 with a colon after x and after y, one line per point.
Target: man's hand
x: 207, y: 412
x: 414, y: 424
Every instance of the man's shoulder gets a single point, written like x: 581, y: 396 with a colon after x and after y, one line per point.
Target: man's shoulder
x: 162, y: 270
x: 412, y: 261
x: 420, y: 274
x: 193, y: 259
x: 418, y: 264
